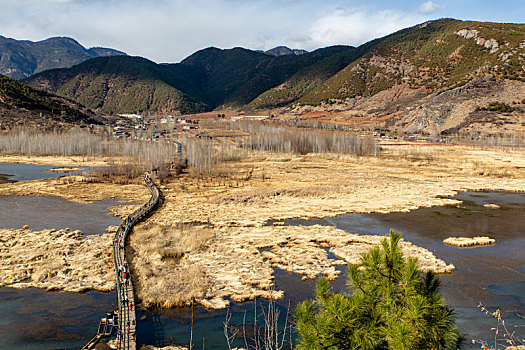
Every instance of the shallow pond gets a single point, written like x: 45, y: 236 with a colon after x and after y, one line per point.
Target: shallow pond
x: 39, y: 213
x: 12, y: 172
x: 493, y: 275
x: 36, y: 319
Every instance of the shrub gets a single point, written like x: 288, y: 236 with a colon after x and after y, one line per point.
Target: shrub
x: 498, y: 107
x: 391, y: 307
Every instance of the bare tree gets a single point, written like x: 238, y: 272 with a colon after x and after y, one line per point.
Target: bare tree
x: 266, y: 332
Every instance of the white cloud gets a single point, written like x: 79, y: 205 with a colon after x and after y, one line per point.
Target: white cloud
x: 169, y: 30
x: 428, y: 7
x: 161, y: 30
x: 348, y: 27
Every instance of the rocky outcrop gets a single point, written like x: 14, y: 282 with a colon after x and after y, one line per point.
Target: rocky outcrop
x: 490, y: 44
x: 458, y: 110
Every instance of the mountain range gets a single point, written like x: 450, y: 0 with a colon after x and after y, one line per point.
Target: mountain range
x: 435, y: 77
x: 203, y: 81
x: 22, y: 58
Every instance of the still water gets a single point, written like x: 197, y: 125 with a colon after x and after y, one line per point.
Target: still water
x: 47, y: 212
x: 33, y: 318
x: 39, y: 213
x: 36, y: 319
x: 493, y: 275
x: 12, y: 172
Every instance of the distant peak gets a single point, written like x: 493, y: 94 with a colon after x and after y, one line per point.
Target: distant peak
x: 65, y: 39
x: 51, y: 53
x: 283, y: 50
x: 104, y: 51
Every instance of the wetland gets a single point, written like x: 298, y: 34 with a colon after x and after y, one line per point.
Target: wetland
x: 309, y: 204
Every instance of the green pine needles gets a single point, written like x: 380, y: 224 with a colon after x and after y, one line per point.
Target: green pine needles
x: 392, y: 306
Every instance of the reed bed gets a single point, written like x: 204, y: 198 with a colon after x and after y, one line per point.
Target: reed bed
x: 164, y: 277
x: 202, y: 155
x: 147, y: 155
x: 469, y: 242
x: 286, y: 139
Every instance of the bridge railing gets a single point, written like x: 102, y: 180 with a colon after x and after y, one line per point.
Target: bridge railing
x: 125, y: 295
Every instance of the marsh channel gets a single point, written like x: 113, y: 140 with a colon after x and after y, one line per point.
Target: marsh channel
x: 493, y: 275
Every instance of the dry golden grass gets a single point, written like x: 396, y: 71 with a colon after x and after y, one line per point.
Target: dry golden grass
x: 257, y: 194
x: 173, y: 267
x: 162, y: 277
x: 56, y: 260
x: 78, y: 191
x: 469, y: 242
x: 169, y: 347
x: 321, y: 186
x: 70, y: 161
x: 235, y: 264
x: 491, y: 206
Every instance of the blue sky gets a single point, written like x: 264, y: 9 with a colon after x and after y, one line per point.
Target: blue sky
x: 169, y: 30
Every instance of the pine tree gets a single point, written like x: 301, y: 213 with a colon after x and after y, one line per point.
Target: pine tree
x: 391, y: 306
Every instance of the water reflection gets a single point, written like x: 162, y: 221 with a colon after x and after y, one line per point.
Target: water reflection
x: 479, y: 269
x: 36, y: 319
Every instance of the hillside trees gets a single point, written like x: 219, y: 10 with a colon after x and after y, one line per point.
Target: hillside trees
x: 391, y: 306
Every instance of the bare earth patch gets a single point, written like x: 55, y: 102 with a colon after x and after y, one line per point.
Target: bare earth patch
x: 56, y: 260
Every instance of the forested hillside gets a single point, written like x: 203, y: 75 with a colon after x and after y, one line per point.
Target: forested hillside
x: 205, y: 80
x: 401, y: 69
x: 21, y: 105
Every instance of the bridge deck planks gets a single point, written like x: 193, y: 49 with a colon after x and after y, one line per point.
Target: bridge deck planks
x: 126, y: 334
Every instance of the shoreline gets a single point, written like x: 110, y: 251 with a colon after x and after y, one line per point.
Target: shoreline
x: 4, y: 178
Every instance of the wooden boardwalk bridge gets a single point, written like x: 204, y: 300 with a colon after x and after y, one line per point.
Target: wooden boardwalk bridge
x: 125, y: 322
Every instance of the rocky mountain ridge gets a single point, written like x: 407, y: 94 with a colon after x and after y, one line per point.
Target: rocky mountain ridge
x: 437, y: 77
x: 22, y: 58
